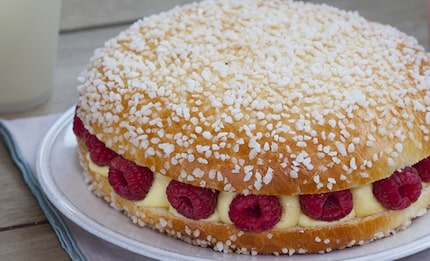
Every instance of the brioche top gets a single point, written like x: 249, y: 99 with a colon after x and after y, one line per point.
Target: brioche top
x: 263, y: 97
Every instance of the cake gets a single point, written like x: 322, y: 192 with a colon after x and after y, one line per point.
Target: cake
x: 259, y: 127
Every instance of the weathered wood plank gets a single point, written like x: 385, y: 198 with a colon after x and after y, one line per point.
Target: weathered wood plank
x: 82, y: 13
x: 31, y: 243
x: 18, y: 204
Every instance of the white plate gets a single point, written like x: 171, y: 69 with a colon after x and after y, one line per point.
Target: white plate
x: 61, y: 179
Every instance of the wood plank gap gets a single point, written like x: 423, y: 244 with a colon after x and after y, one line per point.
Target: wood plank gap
x: 97, y: 27
x: 24, y: 225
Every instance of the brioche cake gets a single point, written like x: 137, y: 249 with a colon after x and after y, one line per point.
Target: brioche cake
x: 259, y: 127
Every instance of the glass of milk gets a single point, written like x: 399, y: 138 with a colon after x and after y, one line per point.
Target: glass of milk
x: 28, y: 45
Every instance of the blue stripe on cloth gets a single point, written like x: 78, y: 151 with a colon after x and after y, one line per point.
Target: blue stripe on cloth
x: 57, y: 223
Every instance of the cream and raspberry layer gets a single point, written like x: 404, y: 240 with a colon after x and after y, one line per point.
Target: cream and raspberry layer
x: 364, y: 203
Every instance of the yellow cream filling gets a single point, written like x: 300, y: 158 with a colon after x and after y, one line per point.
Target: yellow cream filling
x: 365, y: 204
x: 156, y: 196
x: 290, y: 211
x: 224, y: 200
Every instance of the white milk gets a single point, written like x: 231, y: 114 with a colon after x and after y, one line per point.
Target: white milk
x: 28, y: 47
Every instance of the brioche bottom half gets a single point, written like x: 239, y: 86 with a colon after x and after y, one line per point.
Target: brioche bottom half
x: 227, y: 238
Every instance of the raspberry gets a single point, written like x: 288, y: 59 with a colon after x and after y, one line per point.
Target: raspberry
x: 190, y: 201
x: 423, y: 168
x: 91, y: 141
x: 327, y: 206
x: 78, y: 126
x: 99, y: 153
x: 255, y: 212
x: 129, y: 180
x: 399, y: 190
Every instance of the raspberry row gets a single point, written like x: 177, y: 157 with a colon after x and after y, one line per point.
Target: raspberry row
x: 249, y: 212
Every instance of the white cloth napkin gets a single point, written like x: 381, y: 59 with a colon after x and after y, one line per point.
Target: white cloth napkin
x: 22, y: 137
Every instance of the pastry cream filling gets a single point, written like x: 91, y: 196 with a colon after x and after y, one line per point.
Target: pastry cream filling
x: 156, y: 196
x: 364, y: 203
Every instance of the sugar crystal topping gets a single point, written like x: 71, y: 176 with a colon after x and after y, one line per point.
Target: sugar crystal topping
x: 236, y: 94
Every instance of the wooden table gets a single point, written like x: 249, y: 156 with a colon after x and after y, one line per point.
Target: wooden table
x: 25, y: 233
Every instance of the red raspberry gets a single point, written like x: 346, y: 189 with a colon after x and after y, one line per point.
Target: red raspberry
x: 78, y: 126
x: 328, y: 206
x: 255, y: 212
x: 399, y: 190
x: 99, y: 153
x: 423, y: 168
x: 190, y: 201
x: 91, y: 141
x: 129, y: 180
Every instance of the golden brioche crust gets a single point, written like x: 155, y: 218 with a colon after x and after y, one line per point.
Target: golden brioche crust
x: 262, y: 97
x: 227, y: 238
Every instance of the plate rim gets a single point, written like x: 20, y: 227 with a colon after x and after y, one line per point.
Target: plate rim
x: 104, y: 233
x: 73, y: 213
